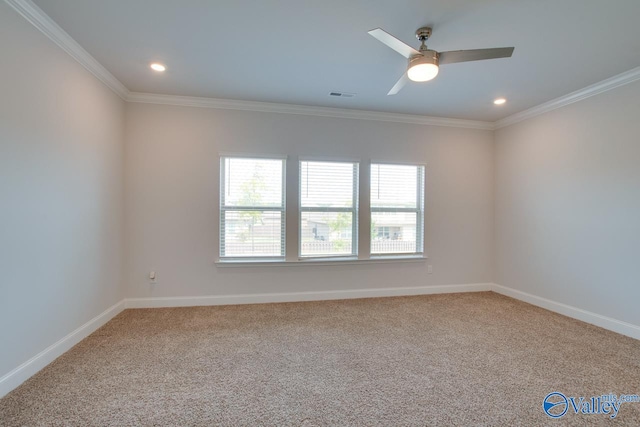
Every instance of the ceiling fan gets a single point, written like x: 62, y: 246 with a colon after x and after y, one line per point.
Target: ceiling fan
x: 424, y: 63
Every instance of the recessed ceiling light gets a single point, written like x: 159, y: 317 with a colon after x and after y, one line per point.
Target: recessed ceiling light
x: 158, y: 67
x: 499, y: 101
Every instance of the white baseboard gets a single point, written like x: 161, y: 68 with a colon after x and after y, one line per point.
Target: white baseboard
x: 23, y: 372
x: 155, y: 302
x: 609, y: 323
x: 20, y: 374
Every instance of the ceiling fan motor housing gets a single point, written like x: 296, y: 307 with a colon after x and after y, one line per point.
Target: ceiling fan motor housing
x: 424, y: 57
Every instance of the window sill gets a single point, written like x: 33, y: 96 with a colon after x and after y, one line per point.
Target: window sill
x: 323, y: 261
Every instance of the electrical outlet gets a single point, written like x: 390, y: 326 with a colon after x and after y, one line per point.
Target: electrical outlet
x: 430, y: 269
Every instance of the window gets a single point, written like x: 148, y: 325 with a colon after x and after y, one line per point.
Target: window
x: 252, y: 208
x: 397, y: 209
x: 328, y: 209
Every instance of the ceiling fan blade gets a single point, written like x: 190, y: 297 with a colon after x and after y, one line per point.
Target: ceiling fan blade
x: 474, y: 55
x: 399, y: 85
x: 399, y: 46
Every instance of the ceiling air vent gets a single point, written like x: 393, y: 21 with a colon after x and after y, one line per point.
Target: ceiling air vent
x: 342, y: 94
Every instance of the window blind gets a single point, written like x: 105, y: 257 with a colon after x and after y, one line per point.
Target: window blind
x: 397, y: 209
x: 328, y: 208
x: 252, y: 208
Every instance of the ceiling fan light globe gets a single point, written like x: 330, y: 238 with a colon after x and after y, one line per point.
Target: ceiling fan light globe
x: 422, y: 72
x: 423, y: 67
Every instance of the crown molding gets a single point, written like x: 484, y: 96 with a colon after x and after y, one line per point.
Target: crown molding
x: 49, y: 28
x: 268, y: 107
x: 33, y: 14
x: 589, y: 91
x: 39, y: 19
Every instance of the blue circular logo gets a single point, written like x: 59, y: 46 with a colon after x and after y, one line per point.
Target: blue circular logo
x: 555, y: 404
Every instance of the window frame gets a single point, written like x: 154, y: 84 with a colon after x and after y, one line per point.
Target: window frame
x: 223, y: 209
x: 291, y: 203
x: 419, y: 210
x: 354, y: 210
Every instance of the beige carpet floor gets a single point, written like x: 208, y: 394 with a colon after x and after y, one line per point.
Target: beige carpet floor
x: 445, y: 360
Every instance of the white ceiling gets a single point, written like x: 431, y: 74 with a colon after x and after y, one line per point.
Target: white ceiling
x: 297, y: 51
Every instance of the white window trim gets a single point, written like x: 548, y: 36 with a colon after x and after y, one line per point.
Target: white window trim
x: 257, y: 156
x: 355, y: 210
x: 322, y: 261
x: 222, y: 209
x: 281, y: 261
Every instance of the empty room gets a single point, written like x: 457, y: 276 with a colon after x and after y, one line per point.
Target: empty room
x: 329, y: 213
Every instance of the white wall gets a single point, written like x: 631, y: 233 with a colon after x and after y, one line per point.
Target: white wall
x: 61, y: 193
x: 567, y: 216
x: 172, y: 178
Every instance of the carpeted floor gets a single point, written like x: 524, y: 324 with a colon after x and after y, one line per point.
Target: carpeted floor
x: 445, y: 360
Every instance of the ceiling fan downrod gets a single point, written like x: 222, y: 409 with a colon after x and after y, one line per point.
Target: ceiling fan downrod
x: 423, y: 35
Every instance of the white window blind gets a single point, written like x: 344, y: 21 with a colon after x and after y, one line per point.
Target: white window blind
x: 328, y: 209
x: 397, y: 209
x: 252, y: 208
